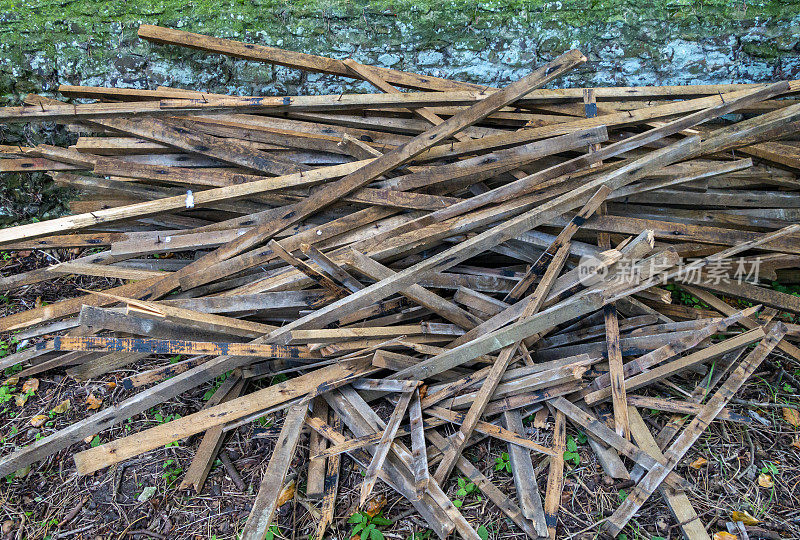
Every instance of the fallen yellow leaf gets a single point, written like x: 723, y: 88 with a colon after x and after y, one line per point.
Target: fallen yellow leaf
x: 796, y: 443
x: 93, y: 403
x: 31, y: 385
x: 375, y: 505
x: 765, y: 480
x: 745, y: 518
x: 287, y: 493
x: 11, y: 381
x: 20, y: 399
x: 39, y: 420
x: 722, y: 535
x: 698, y: 463
x: 792, y: 416
x: 62, y: 407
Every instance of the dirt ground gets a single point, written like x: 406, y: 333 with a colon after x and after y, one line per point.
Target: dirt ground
x: 727, y: 466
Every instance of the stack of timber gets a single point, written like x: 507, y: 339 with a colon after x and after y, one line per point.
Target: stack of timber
x: 459, y: 255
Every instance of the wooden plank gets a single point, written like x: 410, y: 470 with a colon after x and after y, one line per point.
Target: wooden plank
x: 317, y: 468
x: 382, y: 449
x: 374, y: 169
x: 555, y: 476
x: 525, y: 475
x: 331, y: 487
x: 597, y: 428
x: 458, y: 440
x: 639, y: 495
x: 209, y: 447
x: 164, y: 346
x: 308, y: 385
x: 418, y: 445
x: 678, y: 502
x: 676, y: 366
x: 269, y: 491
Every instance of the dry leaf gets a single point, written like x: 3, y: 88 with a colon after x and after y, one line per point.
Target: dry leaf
x: 31, y: 385
x: 745, y: 518
x: 11, y: 381
x: 62, y: 407
x: 93, y: 403
x: 375, y: 505
x: 287, y: 493
x: 39, y: 420
x: 21, y: 399
x: 796, y: 443
x: 698, y: 463
x: 111, y: 385
x: 765, y: 480
x: 792, y: 416
x: 722, y: 535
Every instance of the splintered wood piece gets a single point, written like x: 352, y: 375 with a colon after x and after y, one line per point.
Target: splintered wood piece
x: 503, y: 501
x: 337, y: 289
x: 197, y: 472
x: 331, y: 484
x: 382, y: 449
x: 333, y: 270
x: 599, y: 430
x: 457, y: 441
x: 169, y: 346
x: 525, y: 475
x: 418, y: 445
x: 266, y: 500
x: 678, y: 501
x: 657, y: 474
x: 555, y: 475
x: 308, y: 386
x: 315, y: 481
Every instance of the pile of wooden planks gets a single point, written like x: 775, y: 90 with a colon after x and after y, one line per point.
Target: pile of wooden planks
x: 468, y: 255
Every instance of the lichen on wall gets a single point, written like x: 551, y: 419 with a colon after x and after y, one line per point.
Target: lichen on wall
x: 628, y: 42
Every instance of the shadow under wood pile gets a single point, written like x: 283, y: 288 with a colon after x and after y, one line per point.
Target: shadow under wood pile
x: 469, y: 255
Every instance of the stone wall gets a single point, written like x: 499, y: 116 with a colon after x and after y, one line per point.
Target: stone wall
x: 44, y: 43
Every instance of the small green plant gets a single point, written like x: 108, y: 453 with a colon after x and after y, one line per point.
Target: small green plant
x: 217, y: 382
x: 161, y: 419
x: 5, y: 394
x: 571, y: 454
x: 464, y: 489
x: 273, y: 532
x: 622, y: 494
x: 502, y: 463
x: 424, y: 535
x: 95, y: 441
x: 175, y: 359
x: 770, y: 468
x: 171, y: 473
x: 483, y: 532
x: 369, y: 528
x: 789, y: 389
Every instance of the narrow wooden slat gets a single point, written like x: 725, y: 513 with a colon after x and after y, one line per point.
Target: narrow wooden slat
x: 271, y: 486
x: 382, y: 449
x: 639, y: 495
x: 555, y: 476
x: 308, y: 385
x: 418, y: 445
